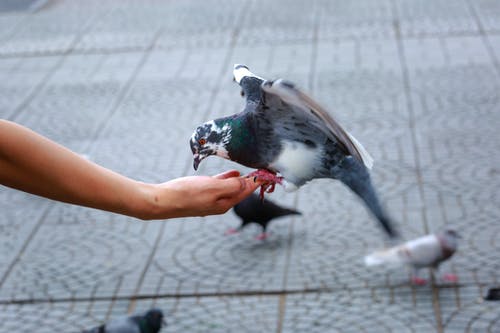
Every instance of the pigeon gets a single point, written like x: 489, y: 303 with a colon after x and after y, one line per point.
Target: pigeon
x: 253, y: 209
x: 493, y: 294
x: 427, y: 251
x: 290, y: 139
x: 149, y: 322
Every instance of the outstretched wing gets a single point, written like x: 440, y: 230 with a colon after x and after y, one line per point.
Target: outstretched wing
x: 282, y: 92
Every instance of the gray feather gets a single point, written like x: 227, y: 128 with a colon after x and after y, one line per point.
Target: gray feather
x: 426, y: 251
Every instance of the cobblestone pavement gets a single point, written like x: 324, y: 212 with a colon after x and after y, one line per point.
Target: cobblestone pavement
x: 125, y: 82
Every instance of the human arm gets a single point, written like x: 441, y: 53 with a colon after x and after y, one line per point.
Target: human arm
x: 35, y: 164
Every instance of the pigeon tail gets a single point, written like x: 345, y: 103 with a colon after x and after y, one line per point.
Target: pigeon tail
x: 388, y: 257
x: 365, y: 155
x: 241, y: 71
x: 288, y: 211
x: 355, y: 175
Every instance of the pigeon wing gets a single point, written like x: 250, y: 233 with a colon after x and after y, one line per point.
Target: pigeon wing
x: 282, y: 92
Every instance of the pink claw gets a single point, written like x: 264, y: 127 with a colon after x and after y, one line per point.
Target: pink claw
x: 231, y: 231
x: 418, y: 281
x: 269, y: 178
x: 450, y: 278
x: 262, y: 236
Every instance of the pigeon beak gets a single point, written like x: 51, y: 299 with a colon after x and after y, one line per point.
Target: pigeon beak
x: 197, y: 158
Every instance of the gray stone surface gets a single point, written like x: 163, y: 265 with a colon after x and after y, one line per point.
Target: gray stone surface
x: 125, y: 83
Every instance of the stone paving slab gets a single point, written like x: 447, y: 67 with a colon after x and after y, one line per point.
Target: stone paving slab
x: 207, y: 314
x: 360, y: 311
x: 84, y: 260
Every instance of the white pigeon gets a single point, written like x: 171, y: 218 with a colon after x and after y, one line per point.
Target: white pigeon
x: 428, y: 251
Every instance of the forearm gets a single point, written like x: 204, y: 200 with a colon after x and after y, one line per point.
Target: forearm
x: 35, y: 164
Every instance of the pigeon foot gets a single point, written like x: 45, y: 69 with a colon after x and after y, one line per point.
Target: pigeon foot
x: 231, y: 231
x: 262, y: 236
x: 270, y: 180
x: 418, y: 281
x: 450, y: 278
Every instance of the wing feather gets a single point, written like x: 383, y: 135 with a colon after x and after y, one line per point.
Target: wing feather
x: 287, y: 92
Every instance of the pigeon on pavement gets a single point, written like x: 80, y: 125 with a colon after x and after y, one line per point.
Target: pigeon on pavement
x: 428, y: 251
x: 255, y: 210
x: 493, y: 294
x: 290, y: 139
x: 149, y: 322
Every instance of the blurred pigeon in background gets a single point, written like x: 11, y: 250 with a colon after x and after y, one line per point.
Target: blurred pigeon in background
x: 255, y: 210
x: 149, y: 322
x: 428, y: 251
x: 282, y: 130
x: 493, y: 294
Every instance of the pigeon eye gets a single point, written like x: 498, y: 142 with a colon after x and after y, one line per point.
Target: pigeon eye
x: 202, y: 141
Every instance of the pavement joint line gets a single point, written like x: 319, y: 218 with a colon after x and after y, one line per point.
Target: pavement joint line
x: 281, y: 313
x: 484, y: 37
x: 243, y: 293
x: 416, y: 151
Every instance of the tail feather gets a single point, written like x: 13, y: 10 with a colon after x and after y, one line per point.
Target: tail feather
x: 289, y: 211
x: 355, y: 175
x: 389, y: 257
x: 365, y: 156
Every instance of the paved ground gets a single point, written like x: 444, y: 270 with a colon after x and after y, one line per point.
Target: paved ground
x: 125, y: 82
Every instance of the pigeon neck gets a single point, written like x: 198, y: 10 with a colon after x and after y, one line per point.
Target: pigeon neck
x: 143, y: 326
x: 446, y: 249
x: 242, y: 140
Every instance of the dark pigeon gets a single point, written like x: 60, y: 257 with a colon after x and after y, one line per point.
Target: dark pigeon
x: 255, y: 210
x: 290, y: 139
x: 493, y: 294
x: 150, y: 322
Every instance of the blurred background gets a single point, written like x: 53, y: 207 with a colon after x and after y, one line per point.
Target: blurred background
x: 126, y: 82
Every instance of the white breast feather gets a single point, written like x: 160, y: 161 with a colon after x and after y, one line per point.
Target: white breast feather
x: 296, y: 161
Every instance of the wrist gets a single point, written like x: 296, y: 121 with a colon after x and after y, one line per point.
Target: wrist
x: 146, y: 205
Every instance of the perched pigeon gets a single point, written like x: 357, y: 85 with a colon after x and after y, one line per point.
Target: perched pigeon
x: 149, y: 322
x: 427, y: 251
x: 282, y: 130
x: 255, y: 210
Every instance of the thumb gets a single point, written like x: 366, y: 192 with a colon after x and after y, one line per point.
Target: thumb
x: 228, y: 174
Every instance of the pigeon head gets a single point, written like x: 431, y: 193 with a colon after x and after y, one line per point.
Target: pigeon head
x: 450, y: 238
x: 210, y: 138
x: 154, y: 320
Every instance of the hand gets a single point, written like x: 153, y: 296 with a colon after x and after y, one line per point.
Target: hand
x: 199, y: 195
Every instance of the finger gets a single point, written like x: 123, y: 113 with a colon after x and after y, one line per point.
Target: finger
x: 238, y: 188
x: 228, y: 174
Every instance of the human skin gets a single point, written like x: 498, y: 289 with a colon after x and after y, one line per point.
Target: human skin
x: 33, y: 163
